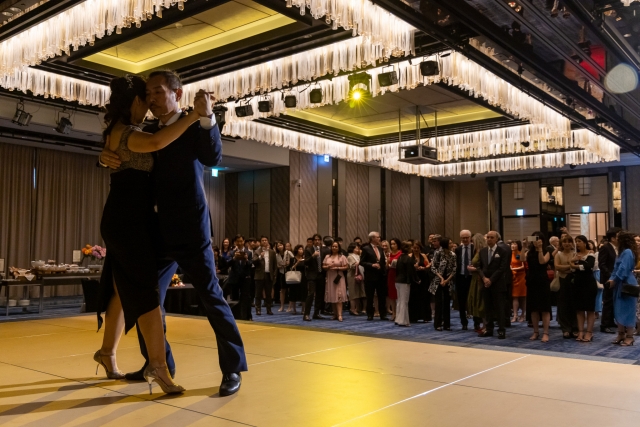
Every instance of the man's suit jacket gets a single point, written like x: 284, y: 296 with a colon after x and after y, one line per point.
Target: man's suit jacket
x: 459, y: 255
x: 239, y: 269
x: 259, y: 263
x: 183, y: 213
x: 606, y: 261
x: 496, y: 267
x: 311, y: 262
x: 368, y: 258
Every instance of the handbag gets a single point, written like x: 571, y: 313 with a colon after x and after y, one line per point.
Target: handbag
x: 358, y: 276
x: 293, y: 277
x: 555, y: 284
x: 336, y: 281
x: 629, y: 290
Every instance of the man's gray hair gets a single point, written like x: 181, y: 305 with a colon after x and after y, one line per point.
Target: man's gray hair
x: 498, y: 236
x: 373, y: 234
x: 465, y: 232
x: 554, y: 239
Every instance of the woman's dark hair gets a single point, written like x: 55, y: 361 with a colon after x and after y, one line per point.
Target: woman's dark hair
x: 417, y: 242
x: 275, y: 247
x: 518, y: 243
x: 215, y: 249
x: 331, y: 247
x: 222, y: 244
x: 405, y: 246
x: 592, y: 246
x: 123, y: 91
x: 295, y: 250
x: 444, y: 243
x: 352, y: 246
x: 628, y: 241
x: 398, y: 243
x: 584, y: 240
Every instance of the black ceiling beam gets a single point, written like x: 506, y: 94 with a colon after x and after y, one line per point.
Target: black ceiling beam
x: 539, y: 36
x: 585, y: 16
x: 73, y: 71
x: 36, y: 16
x: 470, y: 17
x: 169, y: 16
x: 290, y: 12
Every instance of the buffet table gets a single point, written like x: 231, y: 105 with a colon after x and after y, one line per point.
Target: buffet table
x: 41, y: 282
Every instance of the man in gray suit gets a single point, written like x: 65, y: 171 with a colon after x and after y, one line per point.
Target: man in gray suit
x: 266, y: 273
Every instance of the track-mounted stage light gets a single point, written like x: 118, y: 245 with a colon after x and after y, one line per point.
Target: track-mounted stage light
x: 315, y: 96
x: 389, y: 78
x: 64, y: 122
x: 429, y: 68
x: 244, y: 111
x: 21, y: 117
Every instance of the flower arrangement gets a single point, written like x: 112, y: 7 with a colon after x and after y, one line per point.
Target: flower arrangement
x: 176, y: 281
x: 94, y: 252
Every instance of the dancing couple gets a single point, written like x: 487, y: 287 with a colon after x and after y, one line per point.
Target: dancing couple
x: 156, y: 217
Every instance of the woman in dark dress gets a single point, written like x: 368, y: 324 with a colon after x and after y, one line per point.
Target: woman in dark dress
x: 419, y: 296
x: 130, y: 275
x: 538, y: 286
x: 297, y: 291
x: 585, y: 288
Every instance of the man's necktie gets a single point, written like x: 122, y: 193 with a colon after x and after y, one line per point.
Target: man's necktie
x: 465, y: 259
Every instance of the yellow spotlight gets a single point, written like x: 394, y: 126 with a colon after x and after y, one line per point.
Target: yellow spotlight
x: 357, y: 95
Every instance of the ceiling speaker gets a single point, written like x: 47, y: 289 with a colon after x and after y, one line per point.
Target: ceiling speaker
x: 265, y: 106
x: 244, y: 111
x: 315, y: 96
x: 290, y: 101
x: 388, y: 79
x: 429, y: 68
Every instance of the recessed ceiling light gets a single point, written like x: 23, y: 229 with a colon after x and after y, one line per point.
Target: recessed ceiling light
x: 15, y: 10
x: 628, y: 35
x: 5, y: 13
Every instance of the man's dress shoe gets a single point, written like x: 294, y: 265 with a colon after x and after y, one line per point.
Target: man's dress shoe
x: 230, y: 384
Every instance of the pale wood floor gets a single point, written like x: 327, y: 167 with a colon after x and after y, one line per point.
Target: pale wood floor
x: 305, y: 378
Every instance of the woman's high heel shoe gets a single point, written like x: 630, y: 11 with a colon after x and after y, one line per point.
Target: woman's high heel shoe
x: 618, y: 340
x: 151, y: 374
x: 115, y: 375
x: 624, y: 343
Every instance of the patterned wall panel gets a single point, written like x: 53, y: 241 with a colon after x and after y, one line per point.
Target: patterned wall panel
x: 280, y: 204
x: 399, y: 212
x: 231, y: 204
x: 294, y: 197
x: 363, y: 201
x: 308, y: 196
x: 451, y: 206
x: 434, y: 206
x: 351, y: 189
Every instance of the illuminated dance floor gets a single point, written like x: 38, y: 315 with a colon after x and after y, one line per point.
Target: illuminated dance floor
x: 302, y: 377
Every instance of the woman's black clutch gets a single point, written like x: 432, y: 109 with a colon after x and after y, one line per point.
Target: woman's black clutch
x: 630, y: 290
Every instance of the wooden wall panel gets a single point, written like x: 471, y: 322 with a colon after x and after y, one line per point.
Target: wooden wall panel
x: 294, y: 197
x: 308, y: 196
x: 231, y: 204
x: 434, y: 206
x: 351, y: 190
x: 280, y: 204
x: 362, y: 229
x: 399, y: 211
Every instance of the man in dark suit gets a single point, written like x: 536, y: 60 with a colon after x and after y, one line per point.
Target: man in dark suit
x: 375, y: 266
x: 240, y: 270
x: 494, y: 264
x: 184, y: 219
x: 508, y: 279
x: 316, y: 277
x: 265, y: 275
x: 464, y: 255
x: 606, y: 260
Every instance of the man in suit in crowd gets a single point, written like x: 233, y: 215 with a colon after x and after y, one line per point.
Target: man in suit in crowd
x: 495, y: 262
x: 374, y: 262
x: 508, y: 279
x: 606, y: 260
x: 184, y: 220
x: 240, y: 270
x: 464, y: 255
x: 315, y: 275
x: 265, y: 275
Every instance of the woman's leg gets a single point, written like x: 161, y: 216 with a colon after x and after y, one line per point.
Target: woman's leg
x: 523, y: 309
x: 113, y: 328
x: 516, y: 305
x: 546, y: 319
x: 591, y: 319
x: 150, y: 325
x: 392, y: 305
x: 581, y: 318
x: 337, y: 308
x: 283, y: 294
x: 535, y: 318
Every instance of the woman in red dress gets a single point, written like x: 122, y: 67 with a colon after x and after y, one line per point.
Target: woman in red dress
x: 519, y: 290
x: 392, y: 259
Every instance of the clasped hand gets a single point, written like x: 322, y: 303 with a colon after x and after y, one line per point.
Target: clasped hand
x: 202, y: 103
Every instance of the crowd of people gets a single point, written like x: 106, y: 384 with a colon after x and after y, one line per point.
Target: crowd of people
x: 487, y: 280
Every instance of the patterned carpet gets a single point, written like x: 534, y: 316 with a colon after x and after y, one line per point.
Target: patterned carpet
x: 517, y: 335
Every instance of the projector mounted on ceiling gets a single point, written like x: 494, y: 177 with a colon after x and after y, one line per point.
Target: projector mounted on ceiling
x: 419, y: 154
